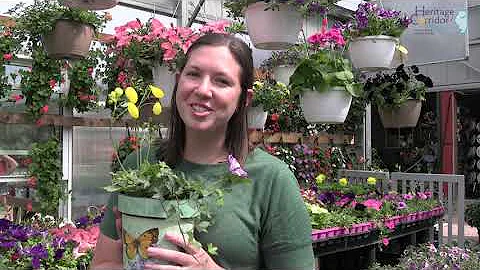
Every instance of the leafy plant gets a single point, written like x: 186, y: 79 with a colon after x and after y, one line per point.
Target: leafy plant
x: 38, y: 19
x: 8, y: 46
x: 326, y: 68
x: 370, y: 19
x: 392, y: 90
x: 235, y: 8
x: 125, y: 147
x: 269, y: 94
x: 45, y: 170
x: 472, y: 215
x: 290, y: 56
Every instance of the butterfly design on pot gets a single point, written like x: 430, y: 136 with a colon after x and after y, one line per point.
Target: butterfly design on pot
x: 134, y: 246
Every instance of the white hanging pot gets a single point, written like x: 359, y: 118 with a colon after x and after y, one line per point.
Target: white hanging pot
x: 273, y: 29
x: 256, y: 117
x: 282, y: 73
x: 372, y: 53
x: 165, y: 79
x: 90, y: 4
x: 327, y: 107
x: 406, y: 115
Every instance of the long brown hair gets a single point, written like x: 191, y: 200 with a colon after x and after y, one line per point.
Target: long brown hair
x: 236, y: 140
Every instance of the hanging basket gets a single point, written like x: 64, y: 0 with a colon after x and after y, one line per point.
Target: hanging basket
x: 90, y: 4
x: 372, y: 53
x: 327, y: 107
x: 145, y: 218
x: 165, y: 79
x: 282, y: 73
x: 69, y: 40
x: 273, y: 29
x: 256, y: 117
x: 405, y: 116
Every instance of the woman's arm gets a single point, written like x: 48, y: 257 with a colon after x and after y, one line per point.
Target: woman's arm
x: 108, y: 254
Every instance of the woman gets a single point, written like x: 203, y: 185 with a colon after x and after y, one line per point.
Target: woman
x: 263, y: 225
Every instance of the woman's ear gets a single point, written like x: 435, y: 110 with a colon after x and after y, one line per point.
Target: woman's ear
x: 249, y: 97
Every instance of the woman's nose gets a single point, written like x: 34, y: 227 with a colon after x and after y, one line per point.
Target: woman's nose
x: 204, y: 88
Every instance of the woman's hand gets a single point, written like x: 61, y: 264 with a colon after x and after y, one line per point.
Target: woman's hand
x: 194, y: 258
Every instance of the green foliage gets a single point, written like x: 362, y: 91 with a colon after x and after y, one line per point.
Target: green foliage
x: 235, y: 8
x: 392, y: 90
x: 290, y: 56
x: 322, y: 71
x: 36, y: 83
x: 47, y: 171
x: 472, y: 215
x: 8, y: 46
x: 269, y: 94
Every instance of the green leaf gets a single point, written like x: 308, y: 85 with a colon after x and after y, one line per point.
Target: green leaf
x: 212, y: 250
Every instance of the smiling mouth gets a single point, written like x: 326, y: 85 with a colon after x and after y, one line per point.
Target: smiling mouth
x: 200, y: 110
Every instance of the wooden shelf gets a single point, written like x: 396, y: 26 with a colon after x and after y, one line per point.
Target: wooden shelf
x: 257, y: 137
x: 59, y: 120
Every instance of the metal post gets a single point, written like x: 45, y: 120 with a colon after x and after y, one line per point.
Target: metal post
x: 65, y: 209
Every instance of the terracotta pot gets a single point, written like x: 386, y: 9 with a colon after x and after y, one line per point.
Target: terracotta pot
x: 69, y: 39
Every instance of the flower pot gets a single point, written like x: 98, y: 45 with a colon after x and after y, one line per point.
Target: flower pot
x: 291, y: 137
x: 275, y: 137
x: 90, y: 4
x: 256, y: 117
x: 405, y: 116
x: 282, y: 73
x: 372, y: 53
x: 69, y: 39
x: 327, y: 107
x: 144, y: 223
x: 272, y: 29
x: 165, y: 80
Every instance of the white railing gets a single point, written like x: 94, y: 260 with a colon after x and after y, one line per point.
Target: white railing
x: 357, y: 176
x: 450, y: 191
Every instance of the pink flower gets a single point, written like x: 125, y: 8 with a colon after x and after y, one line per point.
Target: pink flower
x: 135, y: 24
x: 215, y: 27
x: 90, y: 70
x: 7, y: 57
x: 373, y: 204
x: 407, y: 197
x: 157, y: 27
x: 52, y: 83
x: 39, y: 123
x: 421, y: 196
x: 16, y: 97
x: 385, y: 241
x: 429, y: 194
x: 44, y: 109
x: 390, y: 224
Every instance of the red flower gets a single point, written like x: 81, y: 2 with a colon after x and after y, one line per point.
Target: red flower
x: 32, y: 182
x: 29, y: 206
x: 90, y: 70
x: 44, y: 109
x: 39, y: 123
x: 274, y: 117
x: 53, y: 83
x: 16, y: 97
x: 7, y: 57
x: 15, y: 256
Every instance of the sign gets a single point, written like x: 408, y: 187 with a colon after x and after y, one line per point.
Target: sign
x: 439, y: 31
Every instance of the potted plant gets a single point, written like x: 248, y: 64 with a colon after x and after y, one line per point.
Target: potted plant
x: 91, y: 4
x: 8, y: 47
x: 472, y: 216
x: 64, y: 32
x: 281, y: 64
x: 153, y: 198
x: 324, y: 79
x: 150, y: 52
x: 274, y: 25
x: 267, y: 96
x: 398, y: 95
x: 373, y: 36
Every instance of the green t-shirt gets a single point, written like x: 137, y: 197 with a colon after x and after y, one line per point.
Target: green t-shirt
x: 262, y: 225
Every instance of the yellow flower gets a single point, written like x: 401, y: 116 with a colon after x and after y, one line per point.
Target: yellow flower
x: 157, y: 108
x: 133, y: 110
x: 343, y: 181
x: 118, y: 91
x: 157, y: 92
x: 371, y: 181
x: 131, y: 95
x: 320, y: 178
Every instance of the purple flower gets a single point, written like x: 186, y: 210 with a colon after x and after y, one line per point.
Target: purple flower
x: 35, y: 263
x: 82, y: 222
x: 19, y: 233
x: 401, y: 205
x: 7, y: 244
x: 59, y: 253
x: 98, y: 219
x: 407, y: 197
x: 58, y: 242
x: 39, y: 251
x: 235, y: 168
x: 4, y: 224
x: 326, y: 197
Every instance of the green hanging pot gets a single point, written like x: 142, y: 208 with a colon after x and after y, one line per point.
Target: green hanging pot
x: 144, y: 223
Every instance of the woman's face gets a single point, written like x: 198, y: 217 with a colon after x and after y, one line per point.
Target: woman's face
x: 208, y: 89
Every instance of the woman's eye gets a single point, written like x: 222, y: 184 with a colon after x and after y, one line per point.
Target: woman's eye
x: 193, y: 73
x: 223, y: 81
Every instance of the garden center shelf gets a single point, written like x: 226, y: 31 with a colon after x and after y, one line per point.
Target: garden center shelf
x: 266, y: 137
